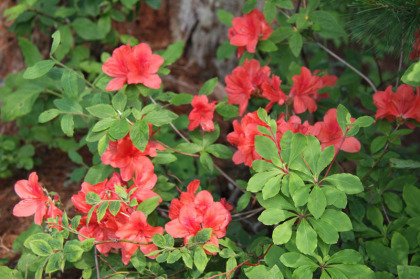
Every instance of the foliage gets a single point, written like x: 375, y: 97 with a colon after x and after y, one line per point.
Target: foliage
x: 335, y: 197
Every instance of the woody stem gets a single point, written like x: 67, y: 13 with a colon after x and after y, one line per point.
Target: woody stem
x: 335, y: 155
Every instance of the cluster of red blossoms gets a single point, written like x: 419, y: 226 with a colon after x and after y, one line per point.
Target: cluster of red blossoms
x: 190, y: 214
x: 246, y: 31
x: 328, y: 133
x: 251, y: 79
x: 133, y: 65
x: 194, y: 212
x: 402, y: 105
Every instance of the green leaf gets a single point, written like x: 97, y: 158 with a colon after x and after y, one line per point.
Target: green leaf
x: 408, y: 272
x: 295, y: 260
x: 317, y: 202
x: 139, y: 135
x: 393, y: 201
x: 284, y: 4
x: 227, y: 111
x: 225, y: 50
x: 154, y: 4
x: 374, y: 215
x: 87, y: 29
x: 97, y: 174
x: 208, y: 86
x: 56, y: 42
x: 72, y: 251
x: 174, y: 256
x: 101, y: 210
x: 274, y: 216
x: 249, y: 6
x: 338, y: 219
x: 283, y: 232
x: 40, y: 247
x: 343, y: 116
x: 48, y: 115
x: 348, y: 183
x: 68, y: 105
x: 306, y: 238
x: 267, y: 45
x: 173, y: 52
x: 272, y: 187
x: 159, y: 240
x: 328, y: 26
x: 87, y: 244
x: 18, y: 104
x: 139, y: 261
x: 411, y: 75
x: 203, y: 235
x: 181, y: 99
x: 187, y: 259
x: 92, y: 198
x: 69, y: 82
x: 161, y: 117
x: 257, y: 181
x: 354, y: 271
x: 103, y: 124
x: 266, y: 147
x: 378, y: 143
x: 54, y: 262
x: 225, y: 17
x: 206, y: 161
x: 243, y: 202
x: 325, y: 231
x: 346, y: 256
x: 75, y: 157
x: 30, y: 52
x: 102, y: 111
x: 149, y: 205
x: 39, y: 69
x: 200, y: 259
x: 119, y: 101
x: 399, y: 245
x: 363, y: 121
x: 404, y: 164
x: 296, y: 43
x: 281, y: 34
x: 269, y: 11
x: 219, y: 151
x: 326, y: 157
x: 119, y: 129
x: 67, y: 124
x: 114, y: 207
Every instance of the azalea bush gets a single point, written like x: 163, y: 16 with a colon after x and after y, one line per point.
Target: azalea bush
x: 316, y: 180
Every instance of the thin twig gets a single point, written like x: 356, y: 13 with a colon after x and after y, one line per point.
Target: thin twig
x: 174, y: 150
x: 98, y: 275
x: 330, y: 52
x: 107, y: 263
x: 386, y: 215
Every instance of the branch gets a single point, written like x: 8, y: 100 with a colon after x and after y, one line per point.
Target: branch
x: 330, y: 52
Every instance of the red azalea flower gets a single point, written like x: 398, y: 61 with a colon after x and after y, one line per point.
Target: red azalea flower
x: 305, y: 88
x: 143, y: 67
x: 271, y: 90
x: 117, y: 66
x: 133, y: 65
x: 244, y: 81
x: 295, y: 125
x: 54, y: 212
x: 193, y: 218
x: 202, y: 114
x: 186, y: 198
x: 33, y: 198
x: 402, y: 105
x: 247, y: 30
x: 137, y: 229
x: 124, y: 155
x: 243, y: 137
x: 330, y: 133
